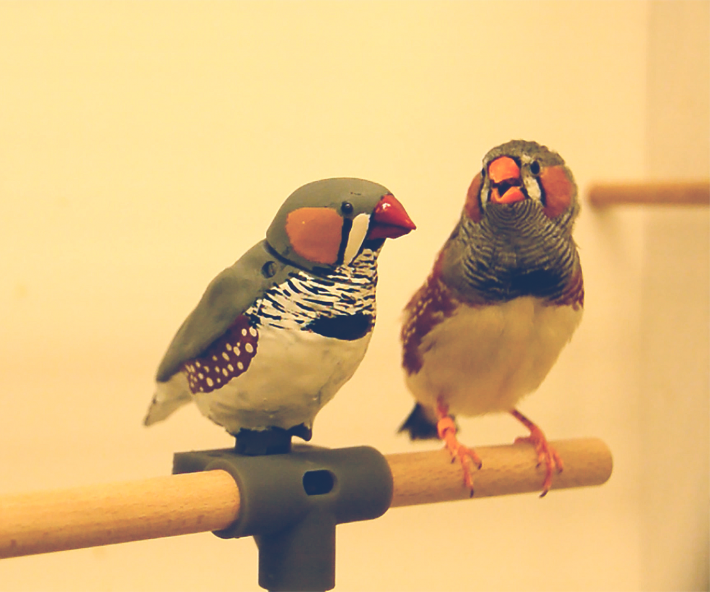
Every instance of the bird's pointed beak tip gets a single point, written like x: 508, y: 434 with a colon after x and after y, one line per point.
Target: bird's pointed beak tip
x: 390, y: 219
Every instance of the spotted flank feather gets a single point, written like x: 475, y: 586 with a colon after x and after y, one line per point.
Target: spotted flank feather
x: 429, y: 306
x: 227, y: 357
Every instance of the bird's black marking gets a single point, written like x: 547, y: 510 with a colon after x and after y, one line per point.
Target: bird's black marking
x: 272, y: 317
x: 419, y: 426
x: 540, y: 283
x: 292, y: 286
x: 373, y: 244
x: 347, y: 227
x: 346, y: 327
x: 268, y: 297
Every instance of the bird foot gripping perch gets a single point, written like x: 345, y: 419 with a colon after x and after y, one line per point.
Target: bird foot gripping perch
x: 545, y: 452
x: 291, y: 503
x: 446, y: 429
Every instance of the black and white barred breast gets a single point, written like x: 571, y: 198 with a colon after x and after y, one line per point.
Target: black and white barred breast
x: 340, y: 305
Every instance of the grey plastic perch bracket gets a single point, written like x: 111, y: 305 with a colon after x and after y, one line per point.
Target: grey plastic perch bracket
x: 290, y: 503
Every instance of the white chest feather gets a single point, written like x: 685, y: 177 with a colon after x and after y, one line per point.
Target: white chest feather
x: 292, y: 376
x: 484, y: 359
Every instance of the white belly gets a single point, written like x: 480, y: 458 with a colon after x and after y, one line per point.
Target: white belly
x: 292, y: 376
x: 485, y: 359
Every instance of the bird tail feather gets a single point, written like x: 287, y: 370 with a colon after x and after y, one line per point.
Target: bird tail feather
x: 419, y: 424
x: 169, y: 396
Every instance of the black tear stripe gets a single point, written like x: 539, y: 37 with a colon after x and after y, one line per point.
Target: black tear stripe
x: 347, y: 226
x: 345, y: 327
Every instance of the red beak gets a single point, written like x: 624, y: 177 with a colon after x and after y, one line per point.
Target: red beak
x: 390, y: 219
x: 505, y: 174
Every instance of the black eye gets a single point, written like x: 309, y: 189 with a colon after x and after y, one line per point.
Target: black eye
x: 535, y: 167
x: 483, y: 172
x: 346, y: 207
x: 268, y: 269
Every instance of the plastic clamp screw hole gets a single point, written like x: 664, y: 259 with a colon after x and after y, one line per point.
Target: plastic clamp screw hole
x: 318, y: 482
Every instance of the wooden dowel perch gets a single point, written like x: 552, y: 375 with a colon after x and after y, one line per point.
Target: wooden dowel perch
x: 95, y: 515
x: 690, y: 193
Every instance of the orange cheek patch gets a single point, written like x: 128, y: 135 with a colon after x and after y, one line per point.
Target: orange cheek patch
x: 558, y: 190
x: 315, y: 234
x: 472, y: 207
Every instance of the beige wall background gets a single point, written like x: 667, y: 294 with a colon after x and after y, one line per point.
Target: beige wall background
x: 145, y: 146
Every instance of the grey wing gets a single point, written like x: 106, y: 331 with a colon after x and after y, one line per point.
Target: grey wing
x: 231, y: 293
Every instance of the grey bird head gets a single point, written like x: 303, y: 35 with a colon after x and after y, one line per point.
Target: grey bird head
x: 324, y: 224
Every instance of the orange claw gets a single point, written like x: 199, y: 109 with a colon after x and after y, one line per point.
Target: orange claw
x: 545, y: 452
x: 446, y: 428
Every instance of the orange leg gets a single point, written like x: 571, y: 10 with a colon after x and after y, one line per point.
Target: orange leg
x: 545, y: 452
x: 446, y: 429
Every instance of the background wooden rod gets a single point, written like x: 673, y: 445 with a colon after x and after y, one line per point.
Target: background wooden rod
x: 678, y: 193
x: 44, y: 522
